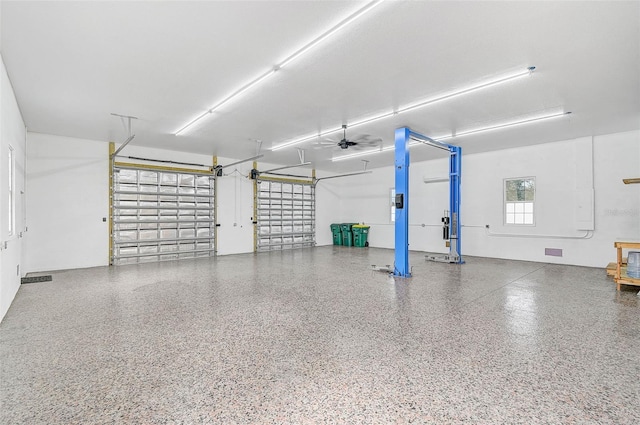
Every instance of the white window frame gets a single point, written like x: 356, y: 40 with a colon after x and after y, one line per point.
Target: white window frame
x: 519, y: 209
x: 12, y: 192
x: 392, y: 216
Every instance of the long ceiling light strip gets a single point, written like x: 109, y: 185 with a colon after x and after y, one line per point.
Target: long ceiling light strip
x: 226, y: 99
x: 471, y: 89
x: 368, y: 7
x: 306, y: 138
x: 512, y: 124
x: 467, y: 90
x: 329, y: 33
x: 464, y: 133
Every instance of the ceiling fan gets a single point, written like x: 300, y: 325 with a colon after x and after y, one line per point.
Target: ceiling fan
x: 361, y: 142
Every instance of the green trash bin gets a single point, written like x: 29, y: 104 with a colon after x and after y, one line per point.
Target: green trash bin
x: 337, y: 234
x: 347, y: 235
x: 360, y: 234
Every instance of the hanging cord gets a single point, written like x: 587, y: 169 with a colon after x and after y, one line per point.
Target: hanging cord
x: 236, y: 172
x: 235, y: 201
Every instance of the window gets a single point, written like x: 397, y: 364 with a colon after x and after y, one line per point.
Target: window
x: 519, y: 197
x: 393, y: 205
x: 12, y: 199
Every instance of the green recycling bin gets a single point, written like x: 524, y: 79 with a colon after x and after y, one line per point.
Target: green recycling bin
x: 337, y: 234
x: 360, y: 234
x: 347, y: 235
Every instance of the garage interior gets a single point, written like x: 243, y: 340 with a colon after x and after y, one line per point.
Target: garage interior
x: 171, y: 175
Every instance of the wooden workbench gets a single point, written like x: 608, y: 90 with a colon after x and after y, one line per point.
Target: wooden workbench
x: 620, y: 277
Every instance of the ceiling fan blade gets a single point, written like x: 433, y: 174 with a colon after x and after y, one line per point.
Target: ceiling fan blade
x: 326, y: 142
x: 322, y: 145
x: 360, y: 147
x: 369, y: 142
x: 361, y: 136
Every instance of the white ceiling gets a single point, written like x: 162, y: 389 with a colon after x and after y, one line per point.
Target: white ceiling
x: 73, y: 63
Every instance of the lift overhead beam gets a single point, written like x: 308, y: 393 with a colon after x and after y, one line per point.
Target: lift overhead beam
x: 428, y: 141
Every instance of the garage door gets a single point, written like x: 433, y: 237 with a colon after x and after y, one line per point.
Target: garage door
x: 161, y: 215
x: 285, y: 215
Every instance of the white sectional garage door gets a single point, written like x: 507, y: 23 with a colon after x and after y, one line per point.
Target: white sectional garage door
x: 161, y: 215
x: 285, y: 215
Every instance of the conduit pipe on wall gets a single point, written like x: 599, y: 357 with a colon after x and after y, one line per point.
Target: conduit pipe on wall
x: 587, y: 235
x: 415, y: 225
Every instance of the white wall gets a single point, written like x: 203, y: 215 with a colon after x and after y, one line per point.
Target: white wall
x: 68, y: 197
x: 328, y: 206
x: 235, y: 208
x: 564, y: 171
x: 12, y: 133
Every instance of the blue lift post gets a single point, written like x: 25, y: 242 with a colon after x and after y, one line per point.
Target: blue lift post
x: 402, y: 137
x: 455, y: 166
x: 401, y: 267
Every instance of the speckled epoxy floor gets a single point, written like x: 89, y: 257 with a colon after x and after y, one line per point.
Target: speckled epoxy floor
x: 314, y: 336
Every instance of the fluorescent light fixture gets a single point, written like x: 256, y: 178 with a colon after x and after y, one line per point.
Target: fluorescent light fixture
x: 304, y: 139
x: 226, y: 100
x: 464, y: 133
x: 423, y: 103
x: 329, y: 33
x: 363, y: 153
x: 349, y: 19
x: 511, y: 124
x: 372, y: 119
x: 327, y: 132
x: 467, y: 90
x: 193, y: 121
x: 244, y: 89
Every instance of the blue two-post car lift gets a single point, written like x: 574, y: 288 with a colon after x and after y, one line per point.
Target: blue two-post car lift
x: 402, y: 137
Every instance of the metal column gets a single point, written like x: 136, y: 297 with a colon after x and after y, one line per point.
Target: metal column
x: 455, y: 166
x: 401, y: 267
x: 402, y: 137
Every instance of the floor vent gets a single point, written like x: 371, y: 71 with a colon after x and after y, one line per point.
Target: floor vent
x: 554, y: 252
x: 35, y: 279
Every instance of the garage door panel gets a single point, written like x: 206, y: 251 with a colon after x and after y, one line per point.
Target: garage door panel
x: 161, y: 215
x: 285, y: 215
